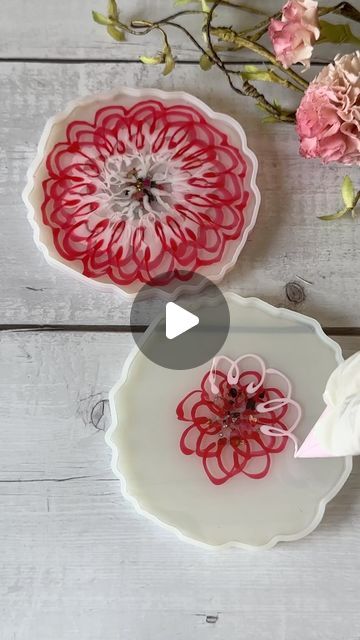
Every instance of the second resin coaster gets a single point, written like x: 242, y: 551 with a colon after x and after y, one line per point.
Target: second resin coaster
x: 209, y: 451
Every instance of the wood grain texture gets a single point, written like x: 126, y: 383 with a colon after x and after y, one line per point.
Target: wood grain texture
x: 287, y: 242
x: 78, y: 563
x: 49, y: 29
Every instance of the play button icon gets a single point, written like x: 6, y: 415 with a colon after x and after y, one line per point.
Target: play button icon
x: 178, y: 320
x: 180, y: 332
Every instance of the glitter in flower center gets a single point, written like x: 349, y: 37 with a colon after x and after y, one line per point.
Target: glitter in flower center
x: 131, y: 186
x: 241, y: 415
x: 146, y: 191
x: 238, y: 420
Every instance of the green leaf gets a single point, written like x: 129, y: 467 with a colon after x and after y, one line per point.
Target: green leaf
x: 261, y: 107
x: 205, y: 62
x: 169, y: 63
x: 115, y: 33
x: 269, y: 119
x: 178, y: 3
x: 348, y: 192
x: 113, y: 11
x: 167, y: 56
x: 204, y: 6
x: 258, y: 74
x: 336, y: 33
x: 101, y: 19
x: 160, y: 59
x: 251, y: 72
x: 334, y: 216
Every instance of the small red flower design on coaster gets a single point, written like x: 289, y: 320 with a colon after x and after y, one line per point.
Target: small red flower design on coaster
x: 241, y: 416
x: 144, y: 193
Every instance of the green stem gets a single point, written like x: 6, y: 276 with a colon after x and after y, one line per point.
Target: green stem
x: 343, y: 9
x: 242, y: 7
x: 286, y: 83
x: 191, y: 38
x: 247, y: 88
x: 228, y: 35
x: 274, y: 78
x: 138, y: 24
x: 278, y: 114
x: 260, y: 28
x: 134, y: 27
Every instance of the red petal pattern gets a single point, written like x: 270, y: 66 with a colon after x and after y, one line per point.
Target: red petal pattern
x: 225, y: 428
x: 144, y: 191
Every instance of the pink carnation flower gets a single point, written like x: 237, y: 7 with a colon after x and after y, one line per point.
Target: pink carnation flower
x: 294, y: 35
x: 328, y: 118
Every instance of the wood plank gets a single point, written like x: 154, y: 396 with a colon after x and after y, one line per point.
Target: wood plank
x: 78, y: 562
x: 288, y: 241
x: 43, y: 29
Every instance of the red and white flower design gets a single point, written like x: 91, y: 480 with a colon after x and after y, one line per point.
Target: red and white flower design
x: 238, y: 419
x: 144, y: 193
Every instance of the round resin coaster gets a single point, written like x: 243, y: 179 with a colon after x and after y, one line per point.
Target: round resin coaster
x: 209, y: 452
x: 142, y: 186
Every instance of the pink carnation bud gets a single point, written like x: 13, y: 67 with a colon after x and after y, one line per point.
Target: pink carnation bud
x: 294, y: 35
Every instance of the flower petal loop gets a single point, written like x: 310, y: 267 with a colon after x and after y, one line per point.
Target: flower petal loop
x: 239, y: 417
x: 144, y: 191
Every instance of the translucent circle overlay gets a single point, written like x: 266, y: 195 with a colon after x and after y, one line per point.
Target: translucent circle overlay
x: 193, y: 347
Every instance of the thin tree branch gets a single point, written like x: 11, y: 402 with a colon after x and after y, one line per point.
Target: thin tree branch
x: 247, y: 89
x: 343, y: 9
x: 228, y: 35
x: 242, y: 7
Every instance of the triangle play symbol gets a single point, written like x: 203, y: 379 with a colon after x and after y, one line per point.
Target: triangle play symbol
x: 178, y: 320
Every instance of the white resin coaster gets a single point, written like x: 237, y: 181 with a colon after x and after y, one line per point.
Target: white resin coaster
x: 238, y: 483
x: 139, y: 186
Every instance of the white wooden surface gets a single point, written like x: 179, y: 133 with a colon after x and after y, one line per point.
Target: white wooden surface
x: 50, y: 29
x: 76, y: 561
x: 288, y: 240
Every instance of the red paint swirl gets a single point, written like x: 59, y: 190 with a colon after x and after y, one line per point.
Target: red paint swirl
x: 144, y: 191
x: 225, y: 427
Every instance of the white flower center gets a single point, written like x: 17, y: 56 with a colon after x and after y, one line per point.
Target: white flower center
x: 132, y: 185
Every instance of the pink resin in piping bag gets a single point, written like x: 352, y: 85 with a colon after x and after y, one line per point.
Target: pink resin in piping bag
x: 337, y: 432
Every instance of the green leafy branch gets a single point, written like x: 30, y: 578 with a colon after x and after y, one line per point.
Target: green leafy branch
x: 165, y: 57
x: 350, y: 198
x: 227, y: 39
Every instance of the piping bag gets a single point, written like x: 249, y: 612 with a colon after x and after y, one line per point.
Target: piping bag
x: 337, y: 431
